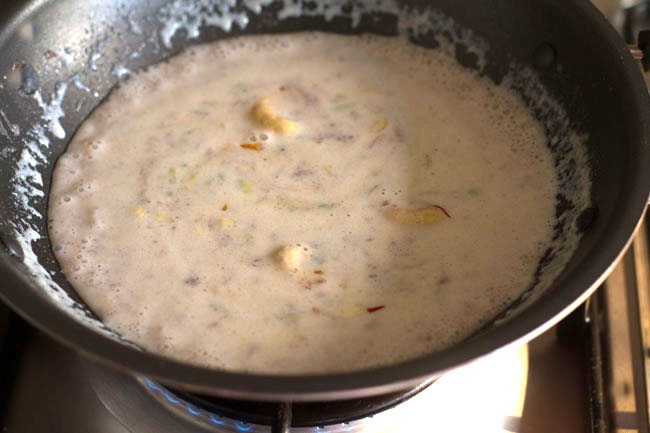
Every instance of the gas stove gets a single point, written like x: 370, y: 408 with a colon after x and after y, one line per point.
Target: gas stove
x: 73, y: 395
x: 588, y: 374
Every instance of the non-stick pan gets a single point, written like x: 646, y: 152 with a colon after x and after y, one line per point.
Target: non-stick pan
x: 58, y: 59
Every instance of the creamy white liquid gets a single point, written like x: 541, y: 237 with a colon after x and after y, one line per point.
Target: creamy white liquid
x: 303, y: 203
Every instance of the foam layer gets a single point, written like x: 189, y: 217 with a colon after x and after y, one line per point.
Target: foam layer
x: 331, y: 215
x: 30, y: 149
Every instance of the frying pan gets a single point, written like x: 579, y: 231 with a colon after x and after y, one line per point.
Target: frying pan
x: 60, y: 58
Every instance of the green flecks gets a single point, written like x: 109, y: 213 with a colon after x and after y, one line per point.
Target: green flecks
x: 341, y: 103
x: 191, y: 177
x: 245, y: 186
x: 215, y: 180
x: 240, y: 87
x: 343, y: 107
x: 293, y: 205
x: 219, y: 311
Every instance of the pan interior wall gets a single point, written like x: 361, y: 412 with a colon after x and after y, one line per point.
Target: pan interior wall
x: 57, y: 73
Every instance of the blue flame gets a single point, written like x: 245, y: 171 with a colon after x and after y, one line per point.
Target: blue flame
x: 243, y: 426
x: 205, y: 416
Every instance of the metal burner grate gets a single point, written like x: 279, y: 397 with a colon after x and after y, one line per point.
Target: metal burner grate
x: 619, y: 342
x: 128, y: 398
x: 304, y: 414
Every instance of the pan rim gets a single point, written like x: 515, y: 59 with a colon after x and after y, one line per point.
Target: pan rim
x: 571, y: 292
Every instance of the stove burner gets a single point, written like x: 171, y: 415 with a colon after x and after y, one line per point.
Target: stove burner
x: 129, y: 398
x: 303, y: 414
